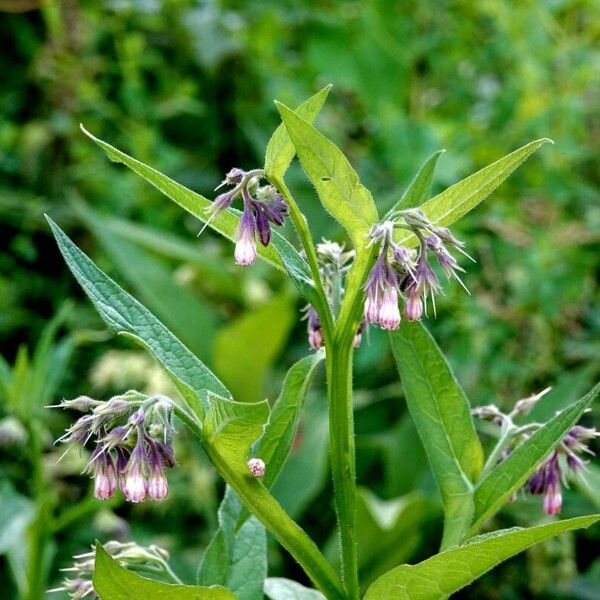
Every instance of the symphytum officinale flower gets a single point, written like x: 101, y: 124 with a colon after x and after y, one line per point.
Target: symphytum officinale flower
x: 561, y: 465
x: 133, y: 437
x: 130, y: 555
x: 399, y: 271
x: 262, y: 206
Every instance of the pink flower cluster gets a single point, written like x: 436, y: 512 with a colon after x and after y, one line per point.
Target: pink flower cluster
x: 133, y: 438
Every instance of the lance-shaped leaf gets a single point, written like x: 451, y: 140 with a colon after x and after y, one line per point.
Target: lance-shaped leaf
x: 442, y: 416
x: 280, y: 150
x: 493, y: 491
x: 457, y: 200
x: 279, y: 253
x: 336, y: 182
x: 237, y: 554
x: 448, y: 572
x: 114, y: 582
x: 279, y: 588
x: 420, y: 187
x: 275, y: 444
x: 125, y: 315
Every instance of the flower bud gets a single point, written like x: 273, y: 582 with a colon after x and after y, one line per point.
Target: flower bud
x: 256, y: 466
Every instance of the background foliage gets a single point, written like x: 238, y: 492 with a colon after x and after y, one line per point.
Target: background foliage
x: 188, y: 87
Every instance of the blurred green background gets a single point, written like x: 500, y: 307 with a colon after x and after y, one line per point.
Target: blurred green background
x: 187, y: 86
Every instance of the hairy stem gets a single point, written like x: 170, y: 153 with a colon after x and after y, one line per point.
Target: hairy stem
x: 270, y: 513
x: 341, y: 431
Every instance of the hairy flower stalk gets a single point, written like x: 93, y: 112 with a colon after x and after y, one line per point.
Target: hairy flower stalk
x: 334, y: 263
x: 262, y: 206
x: 561, y: 465
x: 130, y: 555
x: 401, y: 272
x: 133, y: 438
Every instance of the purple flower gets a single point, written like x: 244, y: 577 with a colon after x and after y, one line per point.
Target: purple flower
x: 275, y: 209
x: 263, y: 228
x: 158, y: 487
x: 133, y: 481
x: 313, y: 328
x: 381, y: 304
x: 104, y: 473
x: 389, y: 313
x: 418, y: 286
x: 245, y: 247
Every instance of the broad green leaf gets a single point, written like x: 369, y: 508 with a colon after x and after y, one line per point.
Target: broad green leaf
x: 188, y: 316
x: 275, y: 444
x: 493, y: 491
x: 279, y: 588
x: 336, y: 182
x: 114, y: 582
x: 448, y: 572
x: 232, y: 427
x: 280, y: 253
x: 124, y: 314
x: 457, y: 200
x: 280, y: 150
x: 420, y: 187
x: 237, y: 554
x: 442, y: 416
x: 246, y: 348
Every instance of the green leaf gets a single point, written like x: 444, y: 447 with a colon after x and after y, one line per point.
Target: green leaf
x: 246, y: 348
x: 457, y: 200
x: 237, y: 554
x: 448, y: 572
x: 493, y: 491
x: 279, y: 588
x: 275, y: 444
x: 125, y: 315
x: 442, y: 416
x: 420, y: 187
x: 336, y: 182
x: 279, y: 253
x: 232, y: 427
x: 189, y: 317
x: 114, y: 582
x: 280, y: 150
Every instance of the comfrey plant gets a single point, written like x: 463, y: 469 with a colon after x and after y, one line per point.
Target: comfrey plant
x: 387, y: 273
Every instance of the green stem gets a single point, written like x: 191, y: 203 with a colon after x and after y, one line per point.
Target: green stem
x: 495, y: 454
x: 270, y: 513
x: 311, y: 255
x: 341, y: 434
